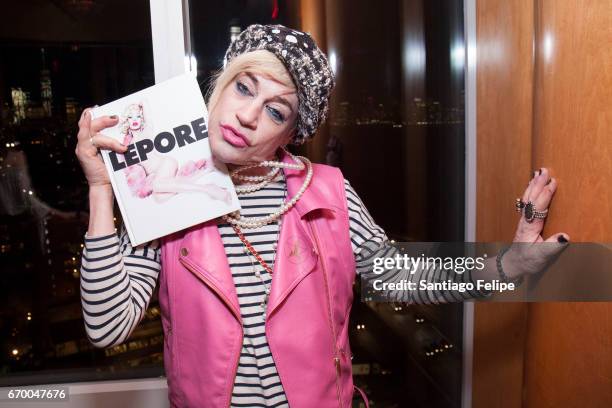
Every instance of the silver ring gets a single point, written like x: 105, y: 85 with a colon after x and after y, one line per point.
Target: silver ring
x: 519, y: 205
x: 92, y: 142
x: 531, y: 213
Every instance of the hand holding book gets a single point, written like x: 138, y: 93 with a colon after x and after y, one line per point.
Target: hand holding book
x: 89, y: 140
x: 157, y: 159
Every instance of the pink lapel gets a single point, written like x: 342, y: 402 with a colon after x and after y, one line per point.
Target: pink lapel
x: 296, y: 255
x: 202, y: 252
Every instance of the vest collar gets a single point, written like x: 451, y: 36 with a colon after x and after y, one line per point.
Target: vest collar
x: 313, y: 198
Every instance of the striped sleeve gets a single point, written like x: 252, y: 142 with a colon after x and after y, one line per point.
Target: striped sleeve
x: 117, y: 282
x: 369, y: 242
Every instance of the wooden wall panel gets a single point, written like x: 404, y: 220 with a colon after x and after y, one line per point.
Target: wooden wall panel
x: 504, y: 103
x: 504, y: 113
x: 547, y: 108
x: 573, y: 113
x: 568, y: 356
x: 499, y: 335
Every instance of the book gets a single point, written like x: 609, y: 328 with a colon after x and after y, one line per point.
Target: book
x: 167, y: 180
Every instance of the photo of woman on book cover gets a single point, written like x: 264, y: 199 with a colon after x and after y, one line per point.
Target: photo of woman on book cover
x: 161, y: 176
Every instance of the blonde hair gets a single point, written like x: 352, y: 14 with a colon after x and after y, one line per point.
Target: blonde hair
x: 259, y: 62
x: 136, y: 108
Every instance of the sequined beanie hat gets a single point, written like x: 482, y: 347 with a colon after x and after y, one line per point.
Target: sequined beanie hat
x: 306, y: 63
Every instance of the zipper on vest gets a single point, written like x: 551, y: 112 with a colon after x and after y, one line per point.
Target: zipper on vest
x: 331, y: 323
x: 188, y: 265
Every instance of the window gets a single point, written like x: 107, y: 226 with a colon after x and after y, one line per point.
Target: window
x: 210, y: 37
x: 56, y: 58
x: 396, y: 129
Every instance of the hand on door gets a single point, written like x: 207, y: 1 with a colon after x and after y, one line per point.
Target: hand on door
x: 534, y: 208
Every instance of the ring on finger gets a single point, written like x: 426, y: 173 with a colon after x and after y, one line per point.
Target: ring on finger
x: 532, y: 213
x: 519, y: 205
x: 91, y: 140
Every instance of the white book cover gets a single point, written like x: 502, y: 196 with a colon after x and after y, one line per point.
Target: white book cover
x: 167, y: 180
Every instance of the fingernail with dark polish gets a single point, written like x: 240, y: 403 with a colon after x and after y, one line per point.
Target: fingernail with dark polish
x: 113, y: 116
x: 540, y: 170
x: 562, y: 239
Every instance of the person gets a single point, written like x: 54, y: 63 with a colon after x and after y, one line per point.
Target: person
x: 255, y: 306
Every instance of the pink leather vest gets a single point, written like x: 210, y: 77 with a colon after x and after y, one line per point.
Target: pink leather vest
x: 314, y: 269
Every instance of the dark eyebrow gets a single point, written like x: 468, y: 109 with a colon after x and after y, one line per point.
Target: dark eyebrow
x: 277, y: 98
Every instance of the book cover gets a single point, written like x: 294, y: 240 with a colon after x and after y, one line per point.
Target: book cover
x: 167, y: 180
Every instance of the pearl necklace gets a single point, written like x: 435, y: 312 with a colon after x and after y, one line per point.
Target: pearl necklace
x: 265, y: 179
x: 249, y: 188
x: 236, y: 219
x: 267, y: 163
x: 269, y: 176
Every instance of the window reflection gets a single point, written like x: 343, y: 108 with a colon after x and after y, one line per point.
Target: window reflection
x: 396, y: 129
x: 56, y: 58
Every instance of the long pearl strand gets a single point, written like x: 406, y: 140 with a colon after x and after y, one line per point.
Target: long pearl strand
x: 265, y: 179
x: 300, y: 163
x: 249, y: 188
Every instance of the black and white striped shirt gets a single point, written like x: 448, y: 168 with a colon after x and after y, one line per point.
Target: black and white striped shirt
x: 117, y: 282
